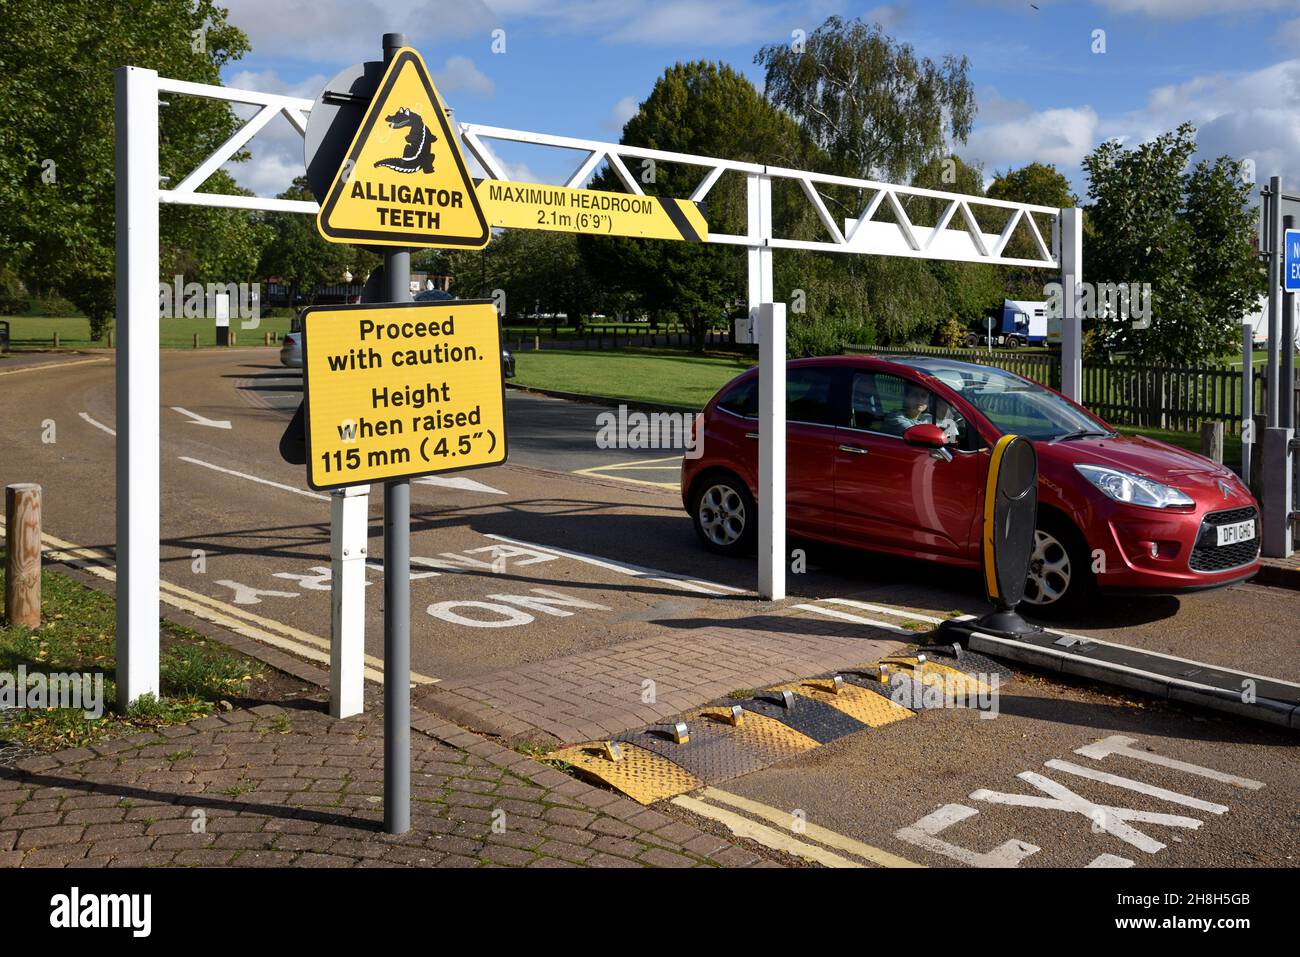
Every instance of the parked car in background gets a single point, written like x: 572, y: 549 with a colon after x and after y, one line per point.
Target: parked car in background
x: 440, y: 295
x: 891, y: 456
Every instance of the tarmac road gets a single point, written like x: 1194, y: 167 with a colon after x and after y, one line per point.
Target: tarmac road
x: 529, y: 561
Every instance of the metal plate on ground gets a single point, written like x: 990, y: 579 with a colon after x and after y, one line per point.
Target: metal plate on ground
x: 873, y: 710
x: 810, y: 717
x: 642, y: 775
x: 713, y: 753
x: 771, y: 739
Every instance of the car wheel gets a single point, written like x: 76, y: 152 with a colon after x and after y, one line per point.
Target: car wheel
x: 724, y: 515
x: 1060, y: 575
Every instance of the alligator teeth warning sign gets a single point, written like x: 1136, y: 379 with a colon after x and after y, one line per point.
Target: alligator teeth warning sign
x: 394, y: 390
x: 404, y: 181
x: 561, y: 209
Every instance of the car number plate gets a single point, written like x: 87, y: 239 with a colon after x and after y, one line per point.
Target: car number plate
x: 1237, y: 532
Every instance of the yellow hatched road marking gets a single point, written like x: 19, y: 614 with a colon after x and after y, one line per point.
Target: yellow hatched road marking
x: 605, y: 471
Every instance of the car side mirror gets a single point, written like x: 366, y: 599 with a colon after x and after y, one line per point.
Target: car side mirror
x: 927, y: 435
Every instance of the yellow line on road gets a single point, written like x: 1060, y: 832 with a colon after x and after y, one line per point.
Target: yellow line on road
x: 744, y: 827
x: 606, y: 471
x: 266, y: 630
x: 52, y: 365
x: 828, y: 837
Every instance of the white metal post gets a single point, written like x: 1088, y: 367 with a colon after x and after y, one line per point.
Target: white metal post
x: 349, y: 537
x: 771, y: 451
x: 769, y: 319
x: 136, y: 322
x: 1071, y: 321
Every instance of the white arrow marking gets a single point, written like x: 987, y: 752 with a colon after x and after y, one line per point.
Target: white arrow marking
x: 200, y: 420
x: 464, y: 484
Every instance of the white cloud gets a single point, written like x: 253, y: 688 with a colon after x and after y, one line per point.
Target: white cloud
x: 460, y: 73
x: 1242, y: 115
x: 1059, y: 136
x: 620, y: 113
x: 888, y: 15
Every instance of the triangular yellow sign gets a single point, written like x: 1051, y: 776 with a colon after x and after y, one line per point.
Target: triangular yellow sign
x: 404, y: 182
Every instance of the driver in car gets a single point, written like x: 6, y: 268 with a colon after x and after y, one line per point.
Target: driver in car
x: 916, y: 404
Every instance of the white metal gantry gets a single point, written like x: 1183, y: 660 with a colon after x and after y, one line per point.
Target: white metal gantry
x: 956, y: 235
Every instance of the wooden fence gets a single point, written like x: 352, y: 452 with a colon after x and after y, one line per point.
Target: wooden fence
x: 1178, y: 398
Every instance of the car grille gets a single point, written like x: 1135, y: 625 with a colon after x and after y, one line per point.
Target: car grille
x: 1207, y: 556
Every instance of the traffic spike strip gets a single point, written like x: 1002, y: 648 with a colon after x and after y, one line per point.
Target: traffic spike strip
x: 775, y: 724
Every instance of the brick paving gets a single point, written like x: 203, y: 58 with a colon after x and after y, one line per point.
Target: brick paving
x: 276, y: 786
x: 600, y: 693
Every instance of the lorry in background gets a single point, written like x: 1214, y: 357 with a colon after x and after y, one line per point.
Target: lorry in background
x: 1018, y: 323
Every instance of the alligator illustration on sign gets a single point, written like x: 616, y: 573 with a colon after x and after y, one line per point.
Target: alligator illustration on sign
x: 418, y: 157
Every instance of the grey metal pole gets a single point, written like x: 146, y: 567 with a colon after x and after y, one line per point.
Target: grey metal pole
x: 1285, y: 344
x: 1274, y: 223
x: 397, y: 585
x: 1247, y: 399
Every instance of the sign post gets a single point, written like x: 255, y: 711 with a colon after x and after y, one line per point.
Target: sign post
x: 396, y: 389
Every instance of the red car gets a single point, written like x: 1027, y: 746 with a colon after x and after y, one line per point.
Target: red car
x: 891, y: 456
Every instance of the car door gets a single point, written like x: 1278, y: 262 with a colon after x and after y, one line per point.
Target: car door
x: 899, y: 497
x: 814, y: 407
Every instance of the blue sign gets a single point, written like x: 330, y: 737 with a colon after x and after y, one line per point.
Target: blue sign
x: 1291, y: 260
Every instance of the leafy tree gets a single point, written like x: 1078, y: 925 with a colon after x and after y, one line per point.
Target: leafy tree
x: 1039, y: 184
x: 711, y: 110
x: 874, y: 109
x: 299, y: 255
x: 57, y: 164
x: 1185, y: 232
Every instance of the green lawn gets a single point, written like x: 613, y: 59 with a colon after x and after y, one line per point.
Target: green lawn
x: 77, y: 635
x: 37, y: 332
x: 672, y: 378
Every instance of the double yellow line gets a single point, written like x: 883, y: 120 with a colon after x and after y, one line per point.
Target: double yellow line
x: 100, y: 563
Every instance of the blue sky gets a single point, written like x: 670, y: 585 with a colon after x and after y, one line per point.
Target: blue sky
x: 579, y: 67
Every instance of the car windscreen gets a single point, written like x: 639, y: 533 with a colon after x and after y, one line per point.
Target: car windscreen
x: 1012, y: 403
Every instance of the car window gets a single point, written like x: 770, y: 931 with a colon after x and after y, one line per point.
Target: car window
x: 808, y: 396
x: 880, y: 402
x: 742, y: 399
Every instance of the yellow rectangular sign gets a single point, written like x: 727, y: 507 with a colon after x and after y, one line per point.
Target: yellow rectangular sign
x: 395, y: 390
x: 598, y: 212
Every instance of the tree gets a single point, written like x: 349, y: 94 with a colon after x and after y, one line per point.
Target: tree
x: 1039, y: 184
x: 707, y: 109
x: 872, y: 107
x: 57, y: 164
x: 1186, y: 233
x: 298, y: 254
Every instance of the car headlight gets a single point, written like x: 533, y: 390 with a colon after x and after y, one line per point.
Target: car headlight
x: 1133, y: 489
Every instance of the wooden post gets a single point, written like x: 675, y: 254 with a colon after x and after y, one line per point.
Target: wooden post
x: 266, y: 339
x: 1212, y: 441
x: 110, y: 338
x: 196, y: 340
x: 56, y: 340
x: 23, y: 555
x: 537, y: 343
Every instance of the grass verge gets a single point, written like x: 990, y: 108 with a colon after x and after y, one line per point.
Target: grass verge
x: 77, y: 635
x: 653, y: 376
x: 37, y: 332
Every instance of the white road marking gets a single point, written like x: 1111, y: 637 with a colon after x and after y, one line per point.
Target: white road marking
x: 1110, y: 860
x: 820, y: 834
x: 925, y: 833
x: 1104, y: 817
x: 248, y: 595
x: 254, y: 478
x: 99, y: 425
x: 857, y: 619
x: 1121, y: 745
x: 458, y: 482
x: 882, y: 610
x: 202, y: 420
x: 683, y: 582
x: 1173, y: 797
x: 743, y: 827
